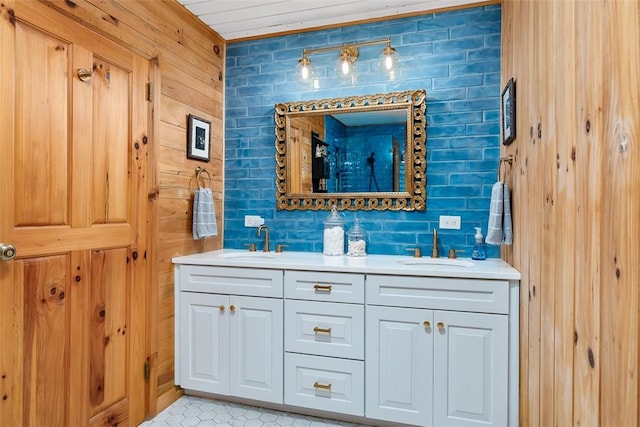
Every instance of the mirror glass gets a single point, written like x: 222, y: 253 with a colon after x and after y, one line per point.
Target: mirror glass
x: 365, y: 152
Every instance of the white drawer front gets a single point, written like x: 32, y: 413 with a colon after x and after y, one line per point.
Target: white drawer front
x: 321, y: 286
x: 476, y: 295
x: 322, y: 383
x: 232, y: 281
x: 324, y: 328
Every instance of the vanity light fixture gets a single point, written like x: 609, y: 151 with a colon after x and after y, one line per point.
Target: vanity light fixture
x: 348, y: 55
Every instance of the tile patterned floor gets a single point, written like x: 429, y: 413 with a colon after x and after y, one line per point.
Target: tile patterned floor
x: 192, y: 411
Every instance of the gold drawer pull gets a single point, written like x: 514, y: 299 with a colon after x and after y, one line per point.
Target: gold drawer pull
x: 221, y: 307
x: 232, y: 307
x: 319, y: 386
x: 441, y: 326
x: 427, y: 324
x: 322, y: 288
x: 322, y: 330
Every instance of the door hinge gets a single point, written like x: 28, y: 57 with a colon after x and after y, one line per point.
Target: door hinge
x: 147, y: 371
x: 149, y: 92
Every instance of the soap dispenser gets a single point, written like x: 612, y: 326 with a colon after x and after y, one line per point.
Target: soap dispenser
x: 478, y: 247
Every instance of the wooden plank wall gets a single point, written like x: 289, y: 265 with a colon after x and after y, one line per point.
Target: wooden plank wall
x: 187, y: 78
x: 576, y: 207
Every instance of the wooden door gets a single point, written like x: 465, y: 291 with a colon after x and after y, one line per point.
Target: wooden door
x: 72, y: 202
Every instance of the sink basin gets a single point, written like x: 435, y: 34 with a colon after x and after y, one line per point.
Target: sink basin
x: 437, y: 261
x: 247, y: 255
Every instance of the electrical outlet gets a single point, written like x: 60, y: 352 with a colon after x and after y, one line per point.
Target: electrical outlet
x: 253, y: 221
x: 450, y: 222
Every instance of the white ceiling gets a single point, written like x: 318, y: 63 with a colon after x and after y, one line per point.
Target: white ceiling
x: 239, y: 19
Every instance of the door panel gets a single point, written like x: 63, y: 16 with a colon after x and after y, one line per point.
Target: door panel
x: 73, y: 202
x: 110, y: 159
x: 471, y: 366
x: 42, y: 137
x: 399, y: 368
x: 256, y: 347
x: 45, y: 350
x: 108, y: 327
x: 205, y: 342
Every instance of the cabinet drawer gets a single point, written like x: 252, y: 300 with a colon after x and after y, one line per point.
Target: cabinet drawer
x: 228, y: 280
x: 477, y: 295
x: 324, y: 328
x: 321, y: 286
x: 322, y: 383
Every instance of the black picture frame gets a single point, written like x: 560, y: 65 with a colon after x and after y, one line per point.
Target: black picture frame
x: 198, y: 138
x: 508, y: 112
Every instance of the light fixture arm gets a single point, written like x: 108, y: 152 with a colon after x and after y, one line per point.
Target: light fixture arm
x: 306, y: 52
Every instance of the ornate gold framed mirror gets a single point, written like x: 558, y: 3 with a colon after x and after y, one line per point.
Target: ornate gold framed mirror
x: 357, y: 153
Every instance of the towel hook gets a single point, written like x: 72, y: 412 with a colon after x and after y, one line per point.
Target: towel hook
x: 507, y: 159
x: 201, y: 170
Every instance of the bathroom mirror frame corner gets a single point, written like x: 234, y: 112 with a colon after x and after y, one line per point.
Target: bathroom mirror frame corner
x: 290, y: 195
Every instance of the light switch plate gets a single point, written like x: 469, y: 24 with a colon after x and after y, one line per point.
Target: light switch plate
x: 253, y: 221
x: 450, y: 222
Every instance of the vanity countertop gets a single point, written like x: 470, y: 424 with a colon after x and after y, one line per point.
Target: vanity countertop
x: 493, y: 268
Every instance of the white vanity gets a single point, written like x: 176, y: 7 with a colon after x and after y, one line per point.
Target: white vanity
x: 377, y: 340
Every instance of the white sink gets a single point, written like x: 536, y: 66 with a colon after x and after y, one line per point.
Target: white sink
x: 247, y: 255
x: 437, y: 261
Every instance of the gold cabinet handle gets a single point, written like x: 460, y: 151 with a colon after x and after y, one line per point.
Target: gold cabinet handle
x: 221, y: 307
x: 319, y: 386
x: 441, y: 326
x: 232, y: 307
x: 322, y: 288
x: 318, y: 330
x: 427, y: 324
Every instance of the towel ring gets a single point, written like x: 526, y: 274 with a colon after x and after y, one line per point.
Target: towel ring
x: 200, y: 170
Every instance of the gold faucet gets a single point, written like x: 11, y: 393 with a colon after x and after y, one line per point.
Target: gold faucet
x: 434, y: 251
x: 266, y: 236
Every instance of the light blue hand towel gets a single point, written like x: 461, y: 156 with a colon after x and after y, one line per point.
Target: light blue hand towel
x: 204, y: 215
x: 500, y: 228
x: 507, y: 226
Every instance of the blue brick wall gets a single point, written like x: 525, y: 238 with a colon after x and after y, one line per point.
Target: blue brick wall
x: 454, y: 56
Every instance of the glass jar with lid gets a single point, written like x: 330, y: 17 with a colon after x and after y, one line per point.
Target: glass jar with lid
x: 356, y: 240
x: 333, y: 238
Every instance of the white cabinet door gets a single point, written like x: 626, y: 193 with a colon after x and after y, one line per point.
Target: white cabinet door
x: 204, y: 334
x: 256, y: 348
x: 399, y: 365
x: 470, y: 369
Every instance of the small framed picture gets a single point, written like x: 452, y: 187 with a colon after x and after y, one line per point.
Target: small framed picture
x: 509, y: 113
x: 198, y: 138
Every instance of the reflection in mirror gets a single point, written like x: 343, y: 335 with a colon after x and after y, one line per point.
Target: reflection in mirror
x: 350, y: 152
x: 365, y: 152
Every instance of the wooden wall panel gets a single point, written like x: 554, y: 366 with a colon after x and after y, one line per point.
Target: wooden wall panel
x: 187, y: 78
x: 576, y: 202
x: 562, y: 132
x: 620, y: 245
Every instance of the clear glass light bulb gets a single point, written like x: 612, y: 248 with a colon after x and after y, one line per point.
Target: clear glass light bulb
x: 304, y: 72
x: 388, y: 62
x: 345, y: 67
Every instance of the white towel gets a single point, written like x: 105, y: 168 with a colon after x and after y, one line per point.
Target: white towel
x: 500, y: 229
x: 204, y: 214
